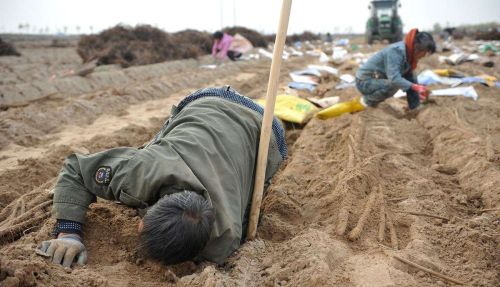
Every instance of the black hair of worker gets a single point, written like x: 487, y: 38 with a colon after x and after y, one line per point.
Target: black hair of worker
x: 425, y: 42
x: 177, y: 227
x: 218, y: 35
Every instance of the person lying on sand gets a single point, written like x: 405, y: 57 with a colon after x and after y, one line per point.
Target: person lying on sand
x: 194, y: 179
x: 392, y: 69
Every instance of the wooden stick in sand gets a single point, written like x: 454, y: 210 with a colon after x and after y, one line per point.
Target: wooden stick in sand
x: 406, y: 197
x: 265, y: 134
x: 428, y: 270
x: 489, y: 209
x: 422, y: 214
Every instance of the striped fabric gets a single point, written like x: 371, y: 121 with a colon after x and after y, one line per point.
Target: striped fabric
x: 67, y: 226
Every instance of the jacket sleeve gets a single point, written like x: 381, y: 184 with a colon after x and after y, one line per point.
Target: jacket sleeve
x: 214, y: 47
x: 225, y: 44
x: 394, y: 61
x: 85, y: 177
x: 412, y: 96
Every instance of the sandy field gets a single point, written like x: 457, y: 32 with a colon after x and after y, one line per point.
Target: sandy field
x: 357, y: 192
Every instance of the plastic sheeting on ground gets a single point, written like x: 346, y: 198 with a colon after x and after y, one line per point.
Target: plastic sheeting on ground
x: 483, y: 79
x: 488, y: 47
x: 240, y: 44
x: 343, y: 86
x: 292, y: 108
x: 309, y: 71
x: 428, y: 77
x: 306, y: 79
x: 468, y: 92
x: 325, y: 102
x: 342, y: 42
x: 458, y: 58
x: 310, y: 76
x: 348, y: 78
x: 302, y: 86
x: 324, y: 68
x: 208, y: 66
x: 347, y: 81
x: 339, y: 55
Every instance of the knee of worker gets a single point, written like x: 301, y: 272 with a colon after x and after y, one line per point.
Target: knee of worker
x: 379, y: 95
x: 177, y: 227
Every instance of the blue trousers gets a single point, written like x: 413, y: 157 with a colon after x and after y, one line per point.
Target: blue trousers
x: 376, y: 91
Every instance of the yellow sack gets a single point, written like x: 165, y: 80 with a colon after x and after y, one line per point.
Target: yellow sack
x: 490, y: 80
x: 340, y: 109
x: 292, y: 108
x: 448, y: 73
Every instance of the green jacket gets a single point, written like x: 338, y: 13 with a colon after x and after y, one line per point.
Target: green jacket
x: 209, y: 146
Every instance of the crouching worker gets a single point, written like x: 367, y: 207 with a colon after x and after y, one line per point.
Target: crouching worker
x: 232, y: 47
x: 392, y: 69
x: 194, y: 179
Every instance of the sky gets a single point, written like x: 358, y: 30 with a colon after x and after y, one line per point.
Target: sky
x: 335, y: 16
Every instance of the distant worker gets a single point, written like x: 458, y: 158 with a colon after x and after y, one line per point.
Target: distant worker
x: 194, y: 181
x: 392, y: 69
x: 227, y: 46
x: 386, y: 72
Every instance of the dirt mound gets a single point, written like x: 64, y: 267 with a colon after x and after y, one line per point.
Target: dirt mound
x: 129, y: 46
x: 305, y: 36
x: 492, y: 35
x: 60, y: 43
x: 270, y: 38
x: 7, y: 49
x: 190, y: 37
x: 256, y: 38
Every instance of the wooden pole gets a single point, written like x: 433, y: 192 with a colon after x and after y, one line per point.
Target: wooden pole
x: 429, y: 270
x: 265, y: 133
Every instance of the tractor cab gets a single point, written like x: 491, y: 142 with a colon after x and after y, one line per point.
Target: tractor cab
x: 384, y: 22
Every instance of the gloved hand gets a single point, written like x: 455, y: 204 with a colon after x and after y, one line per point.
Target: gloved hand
x: 422, y: 91
x: 67, y: 247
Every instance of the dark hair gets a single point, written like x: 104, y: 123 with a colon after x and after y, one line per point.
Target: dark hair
x: 217, y: 35
x: 425, y: 42
x: 177, y: 227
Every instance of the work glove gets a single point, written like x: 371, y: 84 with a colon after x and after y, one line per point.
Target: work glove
x: 64, y: 250
x: 422, y: 91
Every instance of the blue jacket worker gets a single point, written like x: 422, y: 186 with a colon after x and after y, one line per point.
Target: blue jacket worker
x: 392, y: 69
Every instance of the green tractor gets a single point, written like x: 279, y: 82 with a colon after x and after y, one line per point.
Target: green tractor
x: 384, y: 22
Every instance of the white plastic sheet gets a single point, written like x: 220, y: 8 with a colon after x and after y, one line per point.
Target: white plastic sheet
x: 325, y: 102
x: 339, y: 55
x: 324, y: 68
x: 323, y: 58
x: 428, y: 77
x: 348, y: 78
x: 468, y: 92
x: 307, y: 79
